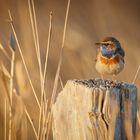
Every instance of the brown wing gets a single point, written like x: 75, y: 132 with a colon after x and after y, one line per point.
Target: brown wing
x: 120, y: 51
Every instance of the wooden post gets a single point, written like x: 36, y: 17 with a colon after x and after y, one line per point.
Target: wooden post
x: 95, y: 110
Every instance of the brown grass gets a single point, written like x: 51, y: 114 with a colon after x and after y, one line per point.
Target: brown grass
x: 42, y: 131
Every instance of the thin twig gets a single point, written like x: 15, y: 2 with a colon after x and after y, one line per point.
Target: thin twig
x: 138, y: 117
x: 60, y: 58
x: 49, y: 120
x: 136, y: 75
x: 10, y: 123
x: 36, y: 42
x: 36, y: 29
x: 47, y: 52
x: 4, y: 51
x: 11, y: 91
x: 5, y: 119
x: 58, y: 69
x: 33, y: 29
x: 37, y: 48
x: 6, y: 85
x: 35, y: 35
x: 61, y: 83
x: 23, y: 60
x: 45, y: 69
x: 30, y: 120
x: 40, y: 121
x: 32, y: 25
x: 45, y: 120
x: 12, y: 75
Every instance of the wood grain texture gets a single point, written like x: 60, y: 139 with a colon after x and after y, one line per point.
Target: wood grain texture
x: 95, y: 110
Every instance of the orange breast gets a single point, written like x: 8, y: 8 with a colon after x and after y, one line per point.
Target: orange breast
x: 111, y: 61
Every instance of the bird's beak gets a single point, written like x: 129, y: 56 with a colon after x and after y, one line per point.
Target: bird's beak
x: 100, y: 43
x: 103, y: 43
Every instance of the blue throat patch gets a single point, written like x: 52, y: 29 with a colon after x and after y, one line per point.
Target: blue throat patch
x: 106, y: 52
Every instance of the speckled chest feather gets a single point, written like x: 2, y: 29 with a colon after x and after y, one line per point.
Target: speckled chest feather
x: 111, y: 66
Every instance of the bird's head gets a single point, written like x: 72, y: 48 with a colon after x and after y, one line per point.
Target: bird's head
x: 108, y: 46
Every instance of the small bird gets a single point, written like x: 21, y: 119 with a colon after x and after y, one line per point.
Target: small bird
x: 110, y: 57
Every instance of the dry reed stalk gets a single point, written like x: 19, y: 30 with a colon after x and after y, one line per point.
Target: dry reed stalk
x: 32, y: 25
x: 44, y: 74
x: 37, y: 48
x: 12, y: 74
x: 58, y: 69
x: 11, y: 91
x: 136, y: 75
x: 42, y: 122
x: 5, y: 71
x: 22, y: 57
x: 35, y: 35
x: 42, y: 79
x: 30, y: 120
x: 61, y: 83
x: 47, y: 53
x: 4, y: 51
x: 138, y: 117
x: 36, y: 29
x: 48, y: 47
x: 5, y: 119
x: 10, y: 124
x: 61, y: 53
x: 4, y: 76
x: 49, y: 120
x: 45, y: 121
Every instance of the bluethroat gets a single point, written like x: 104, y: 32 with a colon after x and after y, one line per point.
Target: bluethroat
x: 110, y: 57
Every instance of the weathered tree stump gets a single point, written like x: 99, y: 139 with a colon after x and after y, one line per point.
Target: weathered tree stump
x: 95, y: 110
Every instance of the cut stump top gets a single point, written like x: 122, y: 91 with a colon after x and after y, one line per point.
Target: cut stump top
x: 95, y: 109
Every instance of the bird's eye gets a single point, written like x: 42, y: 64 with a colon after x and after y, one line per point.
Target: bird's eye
x: 107, y: 44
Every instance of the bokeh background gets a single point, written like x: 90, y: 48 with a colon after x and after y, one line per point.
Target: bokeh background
x: 89, y: 21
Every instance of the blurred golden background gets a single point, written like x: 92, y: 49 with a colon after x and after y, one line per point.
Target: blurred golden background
x: 88, y: 22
